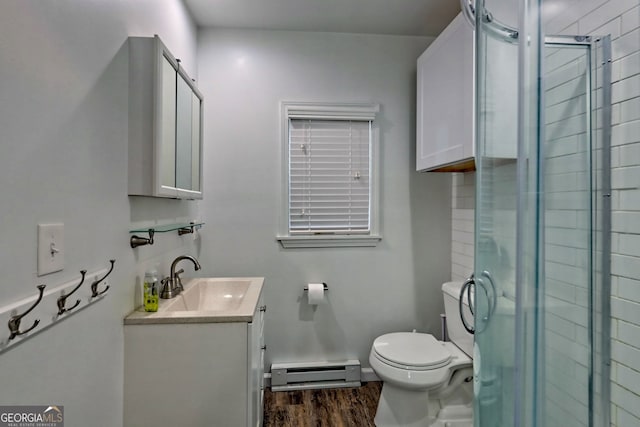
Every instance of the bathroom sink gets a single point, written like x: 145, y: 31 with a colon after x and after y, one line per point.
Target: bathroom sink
x: 206, y: 300
x: 210, y: 295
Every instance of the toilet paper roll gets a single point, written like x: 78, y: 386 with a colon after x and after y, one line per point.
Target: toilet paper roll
x: 315, y: 294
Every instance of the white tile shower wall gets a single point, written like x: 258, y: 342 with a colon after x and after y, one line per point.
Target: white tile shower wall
x: 462, y: 224
x: 621, y: 19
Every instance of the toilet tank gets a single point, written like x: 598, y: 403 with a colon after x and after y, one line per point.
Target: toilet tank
x: 455, y: 329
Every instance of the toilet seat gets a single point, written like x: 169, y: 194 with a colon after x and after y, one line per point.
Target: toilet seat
x: 412, y: 351
x: 434, y: 373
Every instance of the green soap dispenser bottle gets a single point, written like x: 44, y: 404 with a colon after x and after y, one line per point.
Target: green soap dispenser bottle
x: 150, y: 291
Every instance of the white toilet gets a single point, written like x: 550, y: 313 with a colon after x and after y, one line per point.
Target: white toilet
x: 427, y: 382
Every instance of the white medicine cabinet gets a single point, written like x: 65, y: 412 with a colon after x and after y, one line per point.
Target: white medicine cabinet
x: 165, y: 124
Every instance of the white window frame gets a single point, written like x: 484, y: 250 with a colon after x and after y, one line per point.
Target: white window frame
x: 329, y: 111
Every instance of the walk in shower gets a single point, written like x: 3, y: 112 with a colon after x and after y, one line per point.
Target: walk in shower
x: 542, y: 221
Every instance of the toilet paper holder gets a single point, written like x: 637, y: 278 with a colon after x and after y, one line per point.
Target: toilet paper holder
x: 326, y: 288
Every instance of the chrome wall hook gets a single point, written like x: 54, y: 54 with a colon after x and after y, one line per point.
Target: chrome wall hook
x: 136, y: 241
x: 94, y: 285
x: 14, y: 321
x: 63, y: 298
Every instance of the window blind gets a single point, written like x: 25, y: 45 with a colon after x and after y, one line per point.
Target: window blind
x: 329, y: 176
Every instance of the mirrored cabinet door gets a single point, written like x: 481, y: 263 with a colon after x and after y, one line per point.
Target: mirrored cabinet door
x: 196, y: 143
x: 167, y: 176
x: 188, y: 139
x: 183, y: 135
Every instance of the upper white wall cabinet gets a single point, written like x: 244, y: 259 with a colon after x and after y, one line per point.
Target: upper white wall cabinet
x: 445, y: 101
x: 165, y: 124
x: 445, y: 135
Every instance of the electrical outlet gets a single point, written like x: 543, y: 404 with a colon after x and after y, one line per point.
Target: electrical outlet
x: 50, y: 248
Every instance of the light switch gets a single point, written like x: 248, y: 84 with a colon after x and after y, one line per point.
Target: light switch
x: 50, y: 248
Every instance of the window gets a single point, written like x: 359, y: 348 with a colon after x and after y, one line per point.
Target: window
x: 329, y: 175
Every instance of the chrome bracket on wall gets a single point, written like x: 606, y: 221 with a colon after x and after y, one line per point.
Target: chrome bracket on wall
x: 136, y: 241
x: 187, y: 230
x: 494, y: 27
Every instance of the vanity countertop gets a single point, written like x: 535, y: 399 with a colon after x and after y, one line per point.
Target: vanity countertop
x: 206, y: 300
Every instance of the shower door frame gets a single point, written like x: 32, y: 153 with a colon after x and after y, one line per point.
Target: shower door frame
x: 600, y: 190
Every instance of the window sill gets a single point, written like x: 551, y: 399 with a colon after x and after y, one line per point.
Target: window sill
x: 295, y: 242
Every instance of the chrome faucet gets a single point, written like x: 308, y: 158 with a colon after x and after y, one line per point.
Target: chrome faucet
x: 172, y: 285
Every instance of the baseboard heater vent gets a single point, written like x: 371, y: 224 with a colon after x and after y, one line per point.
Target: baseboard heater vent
x: 310, y: 375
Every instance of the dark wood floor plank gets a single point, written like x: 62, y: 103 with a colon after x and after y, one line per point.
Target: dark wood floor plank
x: 339, y: 407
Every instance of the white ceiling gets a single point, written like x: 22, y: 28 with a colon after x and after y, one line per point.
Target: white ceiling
x: 402, y: 17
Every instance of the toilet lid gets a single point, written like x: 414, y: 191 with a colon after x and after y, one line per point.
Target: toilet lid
x: 412, y: 349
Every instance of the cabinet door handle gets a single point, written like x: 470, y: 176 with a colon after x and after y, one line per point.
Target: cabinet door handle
x: 263, y: 308
x: 264, y: 347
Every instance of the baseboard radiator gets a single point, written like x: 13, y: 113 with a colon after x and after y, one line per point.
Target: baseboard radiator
x: 310, y: 375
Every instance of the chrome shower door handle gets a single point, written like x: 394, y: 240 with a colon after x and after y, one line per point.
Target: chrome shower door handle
x: 486, y: 300
x: 466, y: 287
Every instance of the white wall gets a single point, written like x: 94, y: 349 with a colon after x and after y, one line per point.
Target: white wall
x: 393, y: 287
x: 63, y: 158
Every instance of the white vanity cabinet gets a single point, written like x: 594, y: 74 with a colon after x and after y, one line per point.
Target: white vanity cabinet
x: 194, y: 374
x: 165, y: 124
x: 256, y: 349
x: 445, y: 99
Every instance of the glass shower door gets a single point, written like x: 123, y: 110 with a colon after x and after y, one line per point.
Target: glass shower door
x: 541, y: 325
x: 496, y: 218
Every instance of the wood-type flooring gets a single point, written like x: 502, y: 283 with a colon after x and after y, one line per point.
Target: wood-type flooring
x: 335, y: 407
